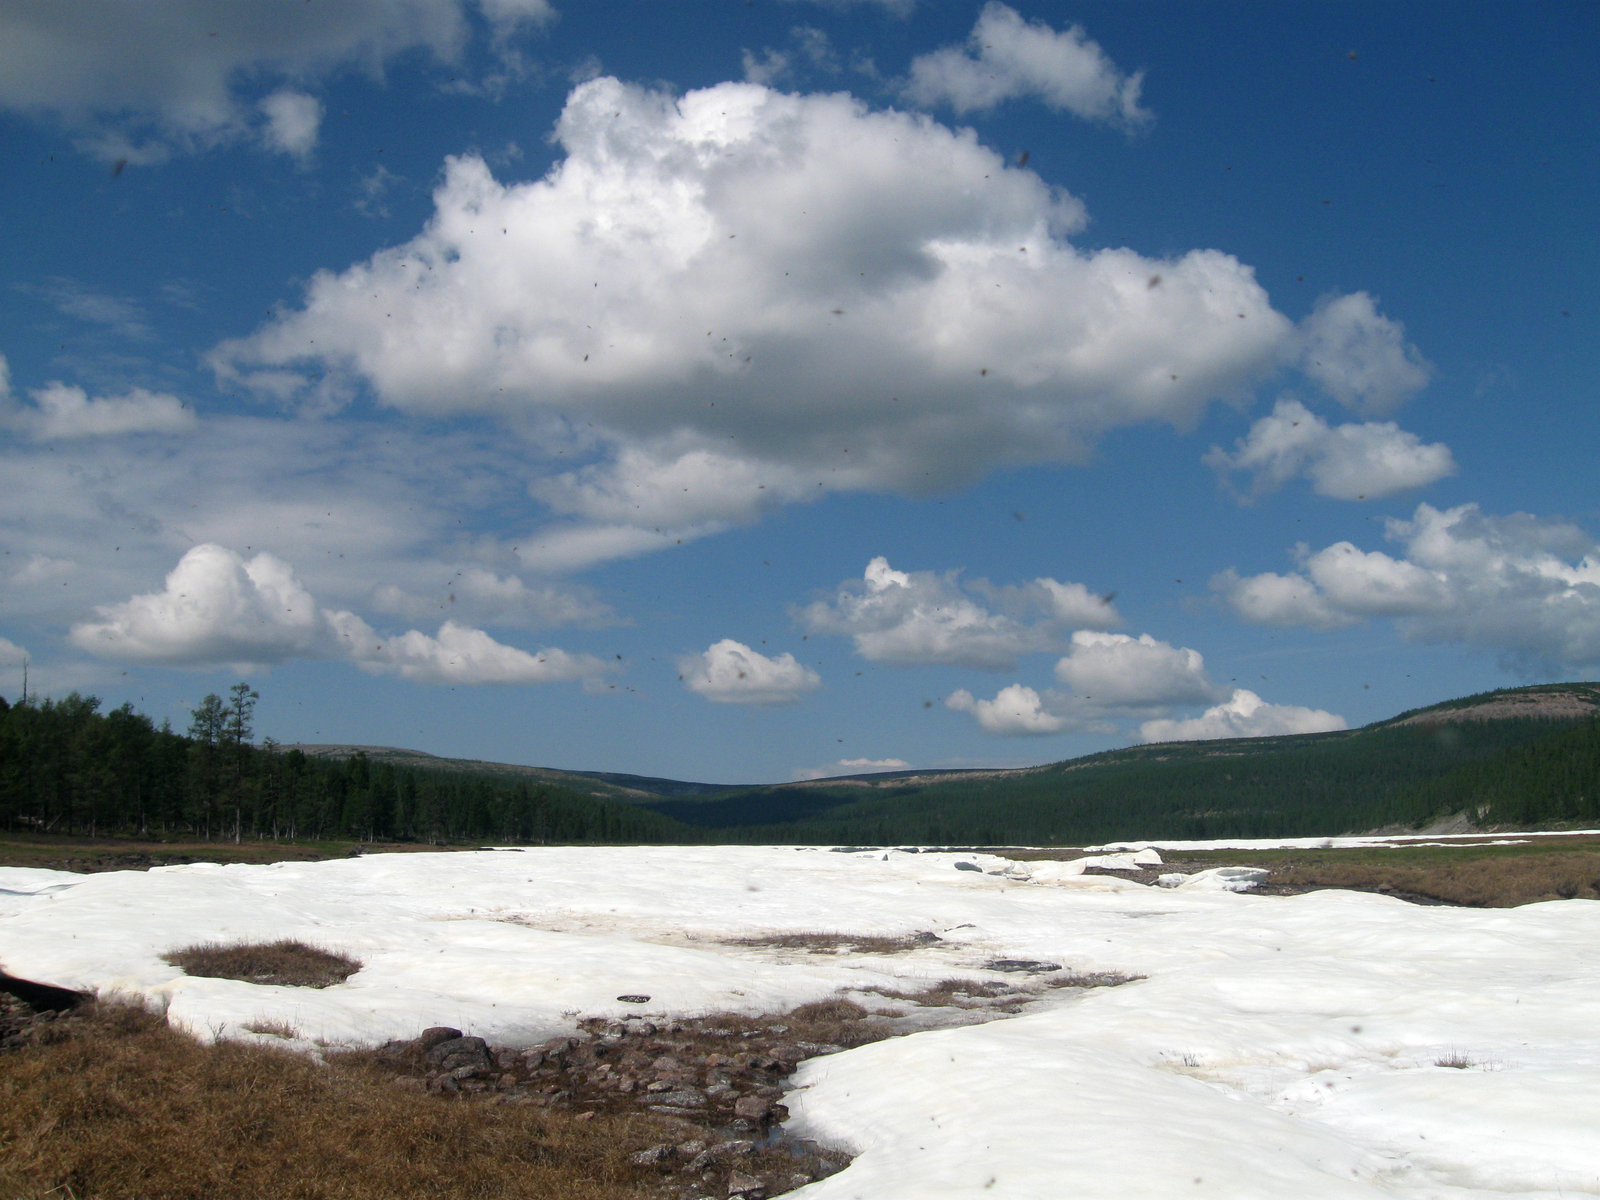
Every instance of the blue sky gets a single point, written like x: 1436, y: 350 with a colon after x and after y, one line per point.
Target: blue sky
x: 742, y: 392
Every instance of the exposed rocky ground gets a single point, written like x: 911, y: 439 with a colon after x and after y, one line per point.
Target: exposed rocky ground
x: 717, y: 1083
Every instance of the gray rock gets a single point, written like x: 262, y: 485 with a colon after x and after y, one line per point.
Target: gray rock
x: 748, y: 1186
x: 459, y: 1052
x: 429, y: 1038
x: 685, y: 1098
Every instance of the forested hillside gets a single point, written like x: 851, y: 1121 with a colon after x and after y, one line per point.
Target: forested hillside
x: 1519, y: 758
x: 65, y: 767
x: 1296, y: 786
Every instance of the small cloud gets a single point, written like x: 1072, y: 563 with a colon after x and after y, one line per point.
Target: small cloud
x: 61, y: 411
x: 1114, y: 670
x: 771, y: 66
x: 72, y: 299
x: 1359, y: 356
x: 853, y: 766
x: 730, y: 672
x: 1007, y: 58
x: 920, y: 618
x: 374, y: 187
x: 1244, y: 715
x: 1016, y: 711
x: 1346, y: 462
x: 293, y: 121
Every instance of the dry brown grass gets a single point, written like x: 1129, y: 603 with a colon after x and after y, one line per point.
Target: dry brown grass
x: 952, y: 993
x: 829, y: 942
x: 280, y: 1029
x: 284, y: 963
x: 1091, y: 979
x: 1497, y: 882
x: 116, y: 1105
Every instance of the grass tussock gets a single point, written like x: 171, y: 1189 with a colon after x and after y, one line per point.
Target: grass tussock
x: 284, y: 963
x: 829, y: 942
x: 281, y: 1029
x: 116, y: 1104
x: 1499, y: 882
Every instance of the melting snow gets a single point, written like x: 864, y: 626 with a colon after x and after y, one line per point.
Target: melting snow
x: 1280, y: 1046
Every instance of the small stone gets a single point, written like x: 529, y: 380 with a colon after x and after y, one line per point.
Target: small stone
x: 633, y: 998
x: 748, y: 1186
x: 684, y: 1098
x: 752, y: 1108
x: 649, y: 1158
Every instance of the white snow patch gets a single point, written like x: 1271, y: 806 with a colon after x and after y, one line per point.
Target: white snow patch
x: 1278, y: 1046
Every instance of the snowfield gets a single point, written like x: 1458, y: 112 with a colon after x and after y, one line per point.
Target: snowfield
x: 1280, y: 1047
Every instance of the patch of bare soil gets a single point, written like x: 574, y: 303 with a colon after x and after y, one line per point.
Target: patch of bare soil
x: 823, y: 942
x: 1555, y: 705
x: 284, y: 963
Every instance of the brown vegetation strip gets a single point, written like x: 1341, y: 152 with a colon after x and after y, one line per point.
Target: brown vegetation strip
x: 112, y: 1103
x: 1502, y: 882
x: 107, y: 1101
x: 828, y: 942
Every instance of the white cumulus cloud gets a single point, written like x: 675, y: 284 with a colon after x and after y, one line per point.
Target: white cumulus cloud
x: 1244, y: 715
x: 922, y: 617
x: 1114, y: 670
x: 730, y: 672
x: 733, y: 299
x: 1016, y: 711
x: 219, y: 608
x: 1527, y: 587
x: 1361, y: 357
x: 1007, y: 58
x: 458, y: 655
x: 1347, y: 462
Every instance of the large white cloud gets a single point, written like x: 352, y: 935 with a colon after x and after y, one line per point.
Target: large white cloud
x: 730, y: 672
x: 219, y: 608
x: 919, y: 618
x: 1007, y: 58
x: 1243, y: 715
x: 1527, y: 587
x: 1016, y: 711
x: 178, y: 66
x: 1114, y: 670
x: 1361, y: 357
x: 1347, y: 462
x: 737, y: 298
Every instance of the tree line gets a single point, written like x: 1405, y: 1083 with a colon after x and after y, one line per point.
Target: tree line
x: 66, y: 767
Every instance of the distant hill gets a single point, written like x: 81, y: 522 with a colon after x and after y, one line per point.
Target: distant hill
x: 609, y: 785
x: 1515, y: 756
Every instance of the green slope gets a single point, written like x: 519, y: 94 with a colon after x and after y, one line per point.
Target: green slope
x: 1406, y: 771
